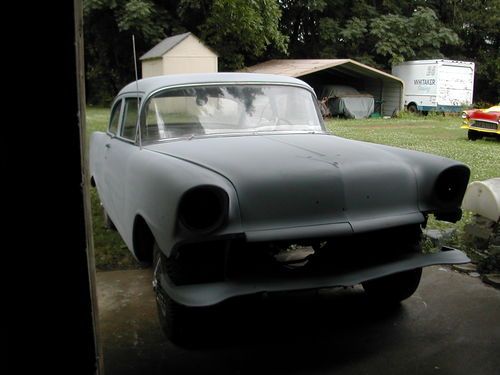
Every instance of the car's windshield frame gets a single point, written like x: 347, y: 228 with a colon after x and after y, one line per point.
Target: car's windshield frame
x: 315, y: 111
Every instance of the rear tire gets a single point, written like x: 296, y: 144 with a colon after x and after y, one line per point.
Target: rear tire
x: 394, y: 288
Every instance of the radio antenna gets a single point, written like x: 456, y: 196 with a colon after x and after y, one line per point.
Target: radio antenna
x: 138, y: 97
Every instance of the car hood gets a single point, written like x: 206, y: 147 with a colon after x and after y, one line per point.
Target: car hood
x: 485, y: 116
x: 296, y: 180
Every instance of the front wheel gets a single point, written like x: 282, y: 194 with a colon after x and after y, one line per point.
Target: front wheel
x: 473, y: 135
x: 170, y: 313
x: 181, y: 324
x: 393, y: 288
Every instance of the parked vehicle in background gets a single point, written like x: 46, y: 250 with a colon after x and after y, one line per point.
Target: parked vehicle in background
x: 348, y: 102
x: 482, y: 122
x: 231, y: 186
x: 436, y: 85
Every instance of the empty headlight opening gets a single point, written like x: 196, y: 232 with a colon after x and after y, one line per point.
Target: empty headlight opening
x: 203, y: 209
x: 451, y: 184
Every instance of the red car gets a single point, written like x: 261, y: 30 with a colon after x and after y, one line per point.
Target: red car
x: 482, y: 122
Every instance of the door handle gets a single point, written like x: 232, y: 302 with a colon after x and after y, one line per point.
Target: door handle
x: 108, y: 145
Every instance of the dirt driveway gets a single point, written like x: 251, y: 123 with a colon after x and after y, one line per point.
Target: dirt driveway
x: 450, y: 326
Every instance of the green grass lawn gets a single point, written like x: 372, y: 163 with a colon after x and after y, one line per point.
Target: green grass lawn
x: 435, y: 134
x: 97, y: 119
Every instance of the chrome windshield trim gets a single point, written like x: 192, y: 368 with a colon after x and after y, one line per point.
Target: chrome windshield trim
x: 234, y: 135
x: 231, y: 83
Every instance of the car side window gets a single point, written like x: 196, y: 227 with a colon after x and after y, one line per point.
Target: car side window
x: 128, y: 128
x: 115, y: 117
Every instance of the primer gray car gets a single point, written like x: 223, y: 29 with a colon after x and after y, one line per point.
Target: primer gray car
x: 231, y: 186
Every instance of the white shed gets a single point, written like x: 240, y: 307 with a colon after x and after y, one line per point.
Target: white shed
x: 386, y: 89
x: 183, y: 53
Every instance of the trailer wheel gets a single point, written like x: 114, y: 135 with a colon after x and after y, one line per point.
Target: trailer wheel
x: 412, y: 108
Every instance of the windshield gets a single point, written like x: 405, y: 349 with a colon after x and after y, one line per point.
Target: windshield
x: 206, y: 110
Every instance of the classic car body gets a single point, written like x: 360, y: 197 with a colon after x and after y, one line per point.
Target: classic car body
x: 482, y: 122
x: 230, y: 184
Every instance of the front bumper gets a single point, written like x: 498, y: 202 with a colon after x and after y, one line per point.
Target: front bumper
x: 206, y: 294
x: 481, y: 130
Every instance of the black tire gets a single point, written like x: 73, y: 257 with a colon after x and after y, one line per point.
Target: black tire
x: 173, y: 319
x: 394, y: 288
x: 178, y: 322
x: 473, y: 135
x: 412, y: 108
x: 169, y: 311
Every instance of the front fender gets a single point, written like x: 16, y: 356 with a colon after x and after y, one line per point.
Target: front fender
x: 441, y: 182
x: 156, y: 184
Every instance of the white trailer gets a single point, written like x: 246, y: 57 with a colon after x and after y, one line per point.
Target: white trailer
x: 436, y: 85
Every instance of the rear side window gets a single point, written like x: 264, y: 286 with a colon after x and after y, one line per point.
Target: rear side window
x: 115, y: 117
x: 129, y: 119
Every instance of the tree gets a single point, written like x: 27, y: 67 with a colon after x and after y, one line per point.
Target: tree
x: 242, y: 30
x: 301, y: 21
x: 477, y: 24
x: 109, y: 26
x: 420, y: 36
x: 375, y: 32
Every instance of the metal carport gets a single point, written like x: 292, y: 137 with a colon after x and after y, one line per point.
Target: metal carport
x: 385, y: 88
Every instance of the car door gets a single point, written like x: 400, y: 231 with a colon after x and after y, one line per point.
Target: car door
x: 105, y: 182
x: 120, y: 149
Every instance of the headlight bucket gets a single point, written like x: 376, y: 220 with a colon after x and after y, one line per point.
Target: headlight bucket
x: 203, y: 209
x: 451, y: 184
x: 449, y: 190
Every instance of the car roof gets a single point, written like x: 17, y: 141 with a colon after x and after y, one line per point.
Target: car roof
x: 148, y: 85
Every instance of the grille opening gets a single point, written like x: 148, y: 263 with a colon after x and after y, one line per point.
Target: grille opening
x: 484, y: 125
x: 236, y: 259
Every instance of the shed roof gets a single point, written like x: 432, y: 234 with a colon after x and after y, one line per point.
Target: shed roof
x: 302, y: 67
x: 164, y: 46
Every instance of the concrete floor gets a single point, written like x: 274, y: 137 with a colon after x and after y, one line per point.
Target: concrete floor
x: 450, y: 326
